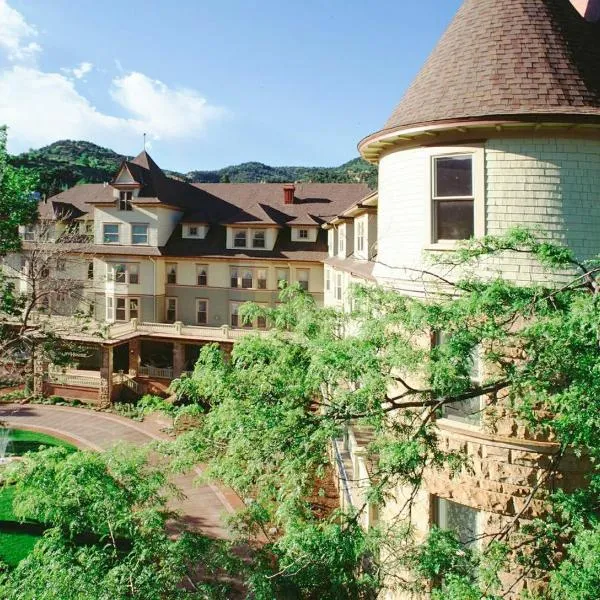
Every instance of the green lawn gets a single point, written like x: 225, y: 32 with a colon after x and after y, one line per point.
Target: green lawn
x: 14, y: 544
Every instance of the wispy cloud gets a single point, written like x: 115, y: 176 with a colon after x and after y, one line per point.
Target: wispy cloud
x: 142, y: 104
x: 80, y: 71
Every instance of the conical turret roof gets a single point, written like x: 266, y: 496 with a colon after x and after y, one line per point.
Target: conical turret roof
x: 508, y: 58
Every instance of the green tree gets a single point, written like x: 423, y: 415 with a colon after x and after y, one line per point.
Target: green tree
x: 18, y: 203
x: 107, y: 532
x: 277, y: 402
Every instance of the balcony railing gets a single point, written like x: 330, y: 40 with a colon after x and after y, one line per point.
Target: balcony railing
x: 160, y: 373
x: 74, y: 379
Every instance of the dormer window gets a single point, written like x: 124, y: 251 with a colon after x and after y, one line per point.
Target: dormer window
x: 193, y: 232
x: 240, y: 238
x: 125, y: 200
x: 360, y: 236
x: 303, y: 234
x: 258, y: 239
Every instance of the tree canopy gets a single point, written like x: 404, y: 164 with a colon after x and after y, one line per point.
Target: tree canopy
x: 278, y: 401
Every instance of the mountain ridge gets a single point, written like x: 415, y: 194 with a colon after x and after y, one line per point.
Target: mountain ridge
x: 66, y: 163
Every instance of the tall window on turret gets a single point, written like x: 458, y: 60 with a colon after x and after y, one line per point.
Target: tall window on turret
x: 453, y: 198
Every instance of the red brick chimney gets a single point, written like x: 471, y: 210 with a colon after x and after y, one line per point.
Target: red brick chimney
x: 288, y: 193
x: 588, y: 9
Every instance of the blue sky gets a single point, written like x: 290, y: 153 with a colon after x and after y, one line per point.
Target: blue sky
x: 213, y: 83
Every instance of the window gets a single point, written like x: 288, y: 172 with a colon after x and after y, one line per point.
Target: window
x: 235, y: 277
x: 261, y: 322
x: 201, y: 312
x: 360, y: 236
x: 327, y: 279
x: 125, y: 200
x: 110, y: 233
x: 120, y: 273
x: 338, y: 286
x: 125, y: 308
x: 134, y: 308
x: 302, y: 234
x: 61, y: 265
x: 139, y: 234
x: 171, y: 312
x: 29, y: 233
x: 469, y: 410
x: 261, y: 279
x: 124, y: 273
x: 121, y: 314
x: 202, y: 275
x: 453, y: 200
x: 247, y: 277
x: 258, y: 239
x: 463, y: 520
x: 172, y: 273
x: 302, y: 276
x: 90, y: 270
x: 341, y: 241
x: 234, y: 317
x: 193, y: 231
x: 283, y: 277
x: 110, y: 310
x: 240, y: 238
x: 134, y: 273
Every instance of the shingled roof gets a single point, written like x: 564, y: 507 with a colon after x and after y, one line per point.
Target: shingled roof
x: 508, y: 59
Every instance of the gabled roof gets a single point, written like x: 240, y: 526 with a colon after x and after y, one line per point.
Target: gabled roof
x: 508, y: 59
x: 75, y: 202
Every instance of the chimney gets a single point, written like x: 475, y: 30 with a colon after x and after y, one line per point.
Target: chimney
x: 288, y: 193
x: 588, y: 9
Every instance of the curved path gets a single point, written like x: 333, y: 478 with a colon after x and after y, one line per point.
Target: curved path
x: 203, y: 507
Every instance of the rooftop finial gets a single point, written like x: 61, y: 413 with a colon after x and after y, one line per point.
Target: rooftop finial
x: 144, y: 142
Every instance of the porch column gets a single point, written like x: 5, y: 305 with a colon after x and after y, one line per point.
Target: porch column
x: 40, y: 372
x: 106, y: 373
x: 134, y: 357
x: 178, y: 358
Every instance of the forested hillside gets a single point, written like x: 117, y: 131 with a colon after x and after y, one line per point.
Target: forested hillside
x: 66, y: 163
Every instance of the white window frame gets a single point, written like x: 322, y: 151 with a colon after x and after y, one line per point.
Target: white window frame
x: 341, y: 241
x: 339, y: 287
x: 29, y: 233
x: 278, y: 273
x: 129, y: 269
x: 168, y: 269
x: 235, y: 233
x: 327, y: 279
x: 118, y: 233
x: 110, y: 309
x: 169, y: 299
x: 303, y: 234
x: 440, y: 518
x: 133, y: 235
x: 263, y: 237
x: 360, y: 235
x: 234, y: 311
x: 262, y: 282
x: 200, y: 268
x: 304, y: 283
x: 193, y: 231
x: 127, y: 308
x: 125, y: 198
x: 206, y: 305
x: 478, y: 167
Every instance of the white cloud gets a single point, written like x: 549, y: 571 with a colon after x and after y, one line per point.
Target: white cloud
x: 16, y: 34
x: 80, y: 71
x: 40, y: 108
x: 167, y: 113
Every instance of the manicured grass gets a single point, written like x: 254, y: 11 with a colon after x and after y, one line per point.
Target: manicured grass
x: 16, y: 544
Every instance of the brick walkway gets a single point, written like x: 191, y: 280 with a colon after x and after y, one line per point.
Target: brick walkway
x: 203, y: 507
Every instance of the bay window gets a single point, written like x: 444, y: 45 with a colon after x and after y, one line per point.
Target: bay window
x: 283, y: 277
x: 247, y: 278
x: 261, y: 279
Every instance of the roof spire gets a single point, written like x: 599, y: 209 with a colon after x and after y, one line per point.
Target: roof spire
x: 144, y: 142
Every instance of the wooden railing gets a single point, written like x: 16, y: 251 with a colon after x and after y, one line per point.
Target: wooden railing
x: 161, y: 373
x: 74, y: 379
